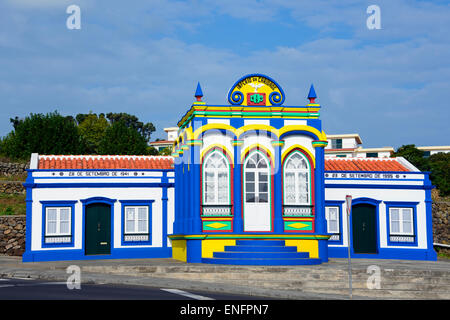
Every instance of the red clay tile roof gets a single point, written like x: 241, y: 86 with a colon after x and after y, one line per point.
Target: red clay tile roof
x: 105, y: 162
x: 363, y: 164
x: 166, y: 162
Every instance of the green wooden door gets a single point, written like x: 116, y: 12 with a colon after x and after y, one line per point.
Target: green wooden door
x: 98, y: 229
x: 364, y: 228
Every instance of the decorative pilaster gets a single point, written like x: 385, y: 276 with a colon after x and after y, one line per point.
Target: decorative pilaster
x: 238, y: 224
x: 319, y: 184
x: 278, y: 201
x: 195, y: 174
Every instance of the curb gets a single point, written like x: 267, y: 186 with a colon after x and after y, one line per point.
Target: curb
x: 101, y: 279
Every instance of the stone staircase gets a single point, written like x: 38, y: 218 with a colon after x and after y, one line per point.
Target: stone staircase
x: 401, y: 281
x: 261, y: 252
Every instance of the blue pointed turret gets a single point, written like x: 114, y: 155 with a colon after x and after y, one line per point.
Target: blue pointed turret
x: 312, y: 94
x: 198, y: 92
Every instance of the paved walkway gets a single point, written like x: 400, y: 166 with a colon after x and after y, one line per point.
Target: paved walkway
x: 105, y: 272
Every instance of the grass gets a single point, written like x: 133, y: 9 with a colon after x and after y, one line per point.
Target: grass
x: 442, y: 253
x: 12, y: 204
x: 19, y: 177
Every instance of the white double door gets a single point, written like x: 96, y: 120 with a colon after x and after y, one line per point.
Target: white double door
x: 257, y: 193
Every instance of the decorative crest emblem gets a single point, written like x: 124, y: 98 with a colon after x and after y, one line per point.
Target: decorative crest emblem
x: 256, y: 90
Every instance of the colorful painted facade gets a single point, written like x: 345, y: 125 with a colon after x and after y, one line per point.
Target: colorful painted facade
x: 247, y: 183
x: 231, y: 163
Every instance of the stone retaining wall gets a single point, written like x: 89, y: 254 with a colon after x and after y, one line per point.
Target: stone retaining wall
x: 12, y: 187
x: 13, y: 168
x: 441, y: 228
x: 12, y: 235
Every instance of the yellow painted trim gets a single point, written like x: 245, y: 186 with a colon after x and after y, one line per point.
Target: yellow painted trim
x: 297, y: 146
x: 212, y: 126
x: 249, y: 127
x: 211, y: 246
x: 311, y: 246
x: 189, y: 133
x: 207, y: 149
x: 257, y: 146
x: 179, y: 250
x: 289, y: 128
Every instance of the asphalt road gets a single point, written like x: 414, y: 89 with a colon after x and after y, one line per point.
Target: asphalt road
x: 24, y: 289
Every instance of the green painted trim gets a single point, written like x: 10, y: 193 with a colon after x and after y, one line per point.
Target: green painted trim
x: 232, y: 114
x: 319, y: 143
x: 227, y: 225
x: 305, y: 228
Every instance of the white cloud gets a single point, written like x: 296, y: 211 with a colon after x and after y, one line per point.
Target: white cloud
x: 132, y: 59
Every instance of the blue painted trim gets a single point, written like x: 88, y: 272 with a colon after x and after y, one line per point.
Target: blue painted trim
x: 373, y: 186
x: 58, y: 203
x: 118, y: 253
x: 386, y: 172
x: 103, y: 185
x: 238, y: 223
x: 97, y: 200
x: 299, y: 132
x: 371, y: 201
x: 401, y: 204
x: 94, y: 170
x: 432, y: 255
x: 146, y: 203
x: 374, y: 179
x: 98, y: 177
x: 323, y: 250
x: 194, y: 251
x: 336, y: 203
x: 195, y: 183
x: 385, y: 253
x: 319, y: 192
x: 165, y: 213
x: 278, y: 168
x: 87, y: 202
x: 376, y: 204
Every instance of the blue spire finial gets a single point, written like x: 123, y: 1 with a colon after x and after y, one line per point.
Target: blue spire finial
x: 312, y: 94
x: 198, y: 92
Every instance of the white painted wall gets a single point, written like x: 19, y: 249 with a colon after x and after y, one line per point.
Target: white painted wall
x: 70, y: 194
x: 383, y: 195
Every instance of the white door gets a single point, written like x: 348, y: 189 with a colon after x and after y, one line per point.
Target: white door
x: 257, y: 195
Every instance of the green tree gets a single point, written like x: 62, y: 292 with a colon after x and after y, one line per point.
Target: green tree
x: 152, y: 151
x: 132, y: 121
x: 122, y: 139
x: 166, y: 151
x: 44, y: 134
x: 413, y: 155
x: 92, y: 129
x: 439, y: 166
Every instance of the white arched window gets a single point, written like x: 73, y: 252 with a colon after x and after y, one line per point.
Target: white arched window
x: 296, y: 180
x: 216, y: 179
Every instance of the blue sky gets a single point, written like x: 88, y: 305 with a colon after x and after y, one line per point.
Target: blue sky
x: 392, y: 86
